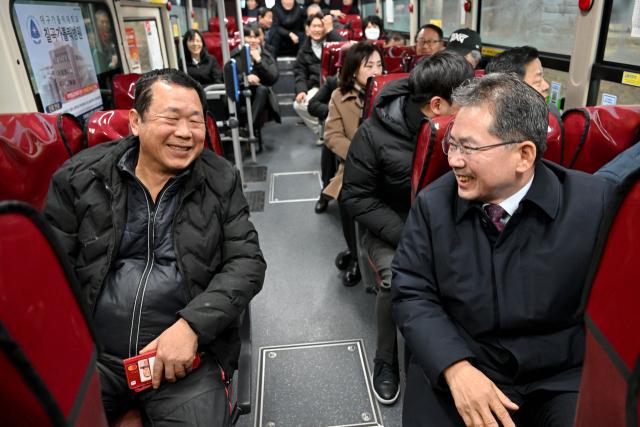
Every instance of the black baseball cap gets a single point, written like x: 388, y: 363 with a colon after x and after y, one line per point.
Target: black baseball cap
x: 464, y: 41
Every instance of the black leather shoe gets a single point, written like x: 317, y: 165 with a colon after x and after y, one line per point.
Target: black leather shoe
x: 343, y: 259
x: 321, y: 204
x: 352, y: 275
x: 386, y: 384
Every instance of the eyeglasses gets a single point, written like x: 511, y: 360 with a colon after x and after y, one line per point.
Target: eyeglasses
x: 429, y: 42
x: 449, y: 146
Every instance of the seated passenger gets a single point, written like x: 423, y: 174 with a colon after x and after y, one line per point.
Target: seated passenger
x: 314, y: 9
x: 287, y: 30
x: 491, y: 268
x: 429, y: 40
x: 394, y: 39
x: 468, y: 44
x: 265, y: 20
x: 376, y: 188
x: 264, y: 74
x: 358, y: 63
x: 525, y: 62
x: 252, y: 8
x: 373, y: 27
x: 202, y: 66
x: 348, y: 8
x: 157, y: 231
x: 263, y: 43
x: 307, y: 67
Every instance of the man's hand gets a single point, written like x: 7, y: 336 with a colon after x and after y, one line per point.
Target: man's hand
x: 301, y: 97
x: 294, y: 38
x: 253, y: 79
x: 476, y: 396
x: 176, y: 350
x: 255, y: 54
x: 328, y: 23
x: 337, y: 13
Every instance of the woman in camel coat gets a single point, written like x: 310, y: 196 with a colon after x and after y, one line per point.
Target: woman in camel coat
x: 362, y: 61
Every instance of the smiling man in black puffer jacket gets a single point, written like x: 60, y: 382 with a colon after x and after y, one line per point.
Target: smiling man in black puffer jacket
x: 158, y: 232
x: 376, y: 188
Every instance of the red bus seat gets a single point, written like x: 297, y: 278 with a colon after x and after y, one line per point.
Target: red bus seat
x: 124, y: 89
x: 595, y: 135
x: 400, y: 51
x: 328, y: 59
x: 48, y: 357
x: 413, y: 61
x: 479, y: 73
x: 107, y: 126
x: 429, y: 161
x: 214, y: 25
x: 555, y: 141
x: 248, y: 19
x: 32, y: 149
x: 394, y: 65
x: 214, y: 45
x: 346, y: 33
x: 374, y: 85
x: 611, y: 371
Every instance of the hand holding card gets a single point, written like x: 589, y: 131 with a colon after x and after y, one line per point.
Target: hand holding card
x: 139, y: 370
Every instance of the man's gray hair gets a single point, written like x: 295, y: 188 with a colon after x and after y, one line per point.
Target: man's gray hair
x: 519, y: 111
x: 315, y: 8
x: 102, y: 13
x: 476, y: 55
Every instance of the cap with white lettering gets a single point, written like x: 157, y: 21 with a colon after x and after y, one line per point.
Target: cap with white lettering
x: 464, y: 41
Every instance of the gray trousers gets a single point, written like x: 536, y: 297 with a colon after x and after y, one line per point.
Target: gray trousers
x: 381, y: 254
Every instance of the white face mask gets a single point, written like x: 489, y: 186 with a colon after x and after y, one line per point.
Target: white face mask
x: 372, y: 33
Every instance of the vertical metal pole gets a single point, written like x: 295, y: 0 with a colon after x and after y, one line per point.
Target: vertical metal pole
x: 189, y: 14
x: 226, y: 56
x: 246, y: 83
x: 180, y: 47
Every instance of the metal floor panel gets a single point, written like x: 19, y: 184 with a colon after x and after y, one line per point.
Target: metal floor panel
x: 291, y: 187
x: 317, y: 384
x: 255, y: 173
x: 255, y: 199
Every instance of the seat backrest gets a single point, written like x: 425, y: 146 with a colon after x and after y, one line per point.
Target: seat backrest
x: 429, y: 161
x: 595, y: 135
x: 394, y: 65
x: 413, y: 61
x: 374, y: 85
x: 611, y: 372
x: 356, y: 20
x: 214, y: 46
x: 107, y: 126
x: 479, y: 73
x: 213, y: 136
x: 214, y: 25
x: 248, y: 19
x: 328, y: 59
x: 400, y: 51
x: 555, y: 141
x: 346, y: 33
x: 31, y: 151
x: 47, y: 340
x: 124, y: 90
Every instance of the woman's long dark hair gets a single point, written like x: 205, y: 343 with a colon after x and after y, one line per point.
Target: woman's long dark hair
x: 357, y: 54
x: 189, y: 35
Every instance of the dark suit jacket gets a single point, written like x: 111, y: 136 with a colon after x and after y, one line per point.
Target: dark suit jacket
x: 506, y: 301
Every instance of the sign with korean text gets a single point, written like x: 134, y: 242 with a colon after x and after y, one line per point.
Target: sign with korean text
x: 608, y: 99
x: 632, y: 79
x: 61, y: 59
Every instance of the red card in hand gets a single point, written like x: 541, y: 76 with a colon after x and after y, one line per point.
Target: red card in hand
x: 139, y: 370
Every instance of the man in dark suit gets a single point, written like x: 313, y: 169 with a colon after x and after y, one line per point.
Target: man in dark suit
x: 490, y: 269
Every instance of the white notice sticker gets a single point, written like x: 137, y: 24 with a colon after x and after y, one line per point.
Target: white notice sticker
x: 388, y: 13
x: 608, y: 99
x: 635, y: 20
x: 554, y: 96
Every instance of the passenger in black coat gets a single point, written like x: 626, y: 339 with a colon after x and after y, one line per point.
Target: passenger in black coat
x: 376, y: 187
x: 491, y: 267
x: 201, y: 65
x: 287, y: 30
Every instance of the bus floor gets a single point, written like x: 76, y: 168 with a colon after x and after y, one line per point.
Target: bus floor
x: 303, y: 301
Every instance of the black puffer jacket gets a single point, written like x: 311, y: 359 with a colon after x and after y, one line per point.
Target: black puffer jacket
x: 217, y: 249
x: 376, y: 188
x: 207, y: 72
x: 306, y: 70
x: 288, y: 21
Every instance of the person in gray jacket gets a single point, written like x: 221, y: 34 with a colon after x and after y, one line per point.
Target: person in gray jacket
x: 157, y: 231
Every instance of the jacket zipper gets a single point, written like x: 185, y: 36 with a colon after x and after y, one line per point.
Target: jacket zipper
x: 142, y: 285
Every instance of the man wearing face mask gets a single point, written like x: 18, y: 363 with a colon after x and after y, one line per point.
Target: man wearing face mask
x: 307, y: 67
x: 525, y: 62
x: 373, y: 27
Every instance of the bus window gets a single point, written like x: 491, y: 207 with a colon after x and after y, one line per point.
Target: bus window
x: 623, y: 40
x: 444, y: 14
x: 201, y: 15
x: 548, y: 26
x: 396, y: 15
x: 143, y: 43
x: 180, y: 8
x: 70, y: 51
x: 621, y: 94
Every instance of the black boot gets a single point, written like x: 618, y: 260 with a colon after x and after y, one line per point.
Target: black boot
x: 343, y: 259
x: 321, y: 204
x: 386, y: 384
x: 352, y: 275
